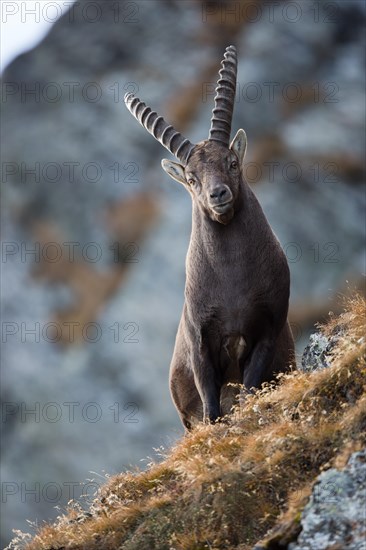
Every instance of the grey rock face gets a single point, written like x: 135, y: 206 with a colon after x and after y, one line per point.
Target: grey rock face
x: 316, y: 353
x: 335, y: 515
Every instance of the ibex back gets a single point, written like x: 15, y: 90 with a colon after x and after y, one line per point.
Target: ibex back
x: 234, y: 327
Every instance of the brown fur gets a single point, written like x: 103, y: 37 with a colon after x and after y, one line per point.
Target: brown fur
x: 234, y: 327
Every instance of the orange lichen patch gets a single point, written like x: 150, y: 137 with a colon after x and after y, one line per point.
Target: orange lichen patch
x: 222, y: 23
x: 295, y: 97
x: 268, y: 150
x: 182, y: 108
x: 265, y: 149
x: 222, y: 20
x: 128, y: 221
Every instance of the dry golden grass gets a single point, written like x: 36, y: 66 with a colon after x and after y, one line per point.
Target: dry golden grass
x: 226, y: 485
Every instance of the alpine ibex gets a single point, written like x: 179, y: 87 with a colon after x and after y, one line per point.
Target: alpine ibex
x: 234, y: 326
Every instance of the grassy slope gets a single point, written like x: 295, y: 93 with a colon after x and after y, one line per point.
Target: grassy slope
x: 225, y: 485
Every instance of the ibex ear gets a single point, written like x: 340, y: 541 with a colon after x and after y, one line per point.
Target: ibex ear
x: 174, y: 170
x: 239, y: 145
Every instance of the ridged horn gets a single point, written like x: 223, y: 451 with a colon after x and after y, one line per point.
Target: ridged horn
x: 222, y: 113
x: 176, y: 144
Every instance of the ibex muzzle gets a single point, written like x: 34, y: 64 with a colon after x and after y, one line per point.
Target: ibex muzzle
x: 234, y: 327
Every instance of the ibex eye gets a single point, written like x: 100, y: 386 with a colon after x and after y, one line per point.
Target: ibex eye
x: 234, y: 164
x: 191, y: 181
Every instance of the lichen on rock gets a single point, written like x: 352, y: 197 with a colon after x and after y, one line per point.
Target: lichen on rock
x: 335, y: 514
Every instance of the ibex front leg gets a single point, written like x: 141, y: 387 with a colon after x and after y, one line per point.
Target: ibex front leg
x: 206, y: 383
x: 258, y: 364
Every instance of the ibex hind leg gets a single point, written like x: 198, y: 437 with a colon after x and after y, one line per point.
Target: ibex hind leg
x: 229, y: 397
x: 185, y: 395
x: 270, y: 358
x: 232, y: 350
x: 284, y: 358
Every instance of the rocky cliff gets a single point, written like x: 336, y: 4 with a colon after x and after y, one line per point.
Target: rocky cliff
x: 94, y: 234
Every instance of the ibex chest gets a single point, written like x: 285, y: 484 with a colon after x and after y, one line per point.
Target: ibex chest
x: 235, y: 298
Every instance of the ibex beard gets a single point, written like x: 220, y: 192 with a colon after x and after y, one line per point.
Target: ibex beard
x: 234, y: 330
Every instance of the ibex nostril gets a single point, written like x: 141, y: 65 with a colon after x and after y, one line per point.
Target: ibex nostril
x: 218, y: 193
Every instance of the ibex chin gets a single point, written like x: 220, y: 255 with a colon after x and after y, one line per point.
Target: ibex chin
x: 234, y: 327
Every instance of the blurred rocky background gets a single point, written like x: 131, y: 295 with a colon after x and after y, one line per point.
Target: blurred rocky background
x: 94, y: 234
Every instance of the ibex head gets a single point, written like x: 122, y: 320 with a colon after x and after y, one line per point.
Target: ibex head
x: 210, y: 170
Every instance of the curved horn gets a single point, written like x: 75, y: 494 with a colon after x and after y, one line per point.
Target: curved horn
x: 222, y: 113
x: 177, y: 144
